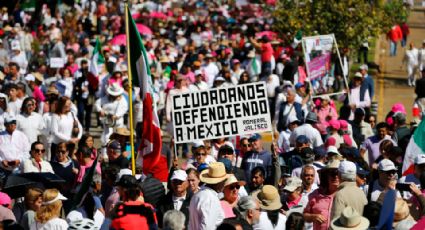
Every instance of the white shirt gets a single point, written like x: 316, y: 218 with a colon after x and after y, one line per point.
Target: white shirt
x: 62, y: 127
x: 199, y: 86
x: 205, y: 210
x: 211, y: 71
x: 14, y: 107
x: 118, y: 108
x: 30, y: 125
x: 14, y: 147
x: 265, y: 224
x: 310, y: 132
x: 271, y: 83
x: 53, y: 224
x: 283, y: 141
x: 377, y: 190
x: 411, y: 57
x: 178, y: 202
x: 21, y: 60
x: 30, y: 166
x: 355, y: 98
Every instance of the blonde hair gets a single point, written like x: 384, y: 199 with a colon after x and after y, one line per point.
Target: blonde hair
x: 49, y: 211
x: 32, y: 195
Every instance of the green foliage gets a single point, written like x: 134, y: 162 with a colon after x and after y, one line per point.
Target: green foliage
x: 352, y: 21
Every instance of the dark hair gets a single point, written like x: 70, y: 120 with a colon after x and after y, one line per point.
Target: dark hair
x: 273, y: 216
x: 20, y: 86
x: 14, y: 64
x: 25, y: 102
x: 258, y: 169
x: 422, y: 179
x: 381, y: 125
x: 61, y: 104
x: 83, y: 140
x: 295, y: 221
x: 385, y: 146
x: 84, y: 152
x: 34, y: 144
x: 372, y: 211
x: 344, y: 112
x: 192, y: 170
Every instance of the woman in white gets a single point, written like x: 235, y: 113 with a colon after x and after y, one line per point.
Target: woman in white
x: 48, y: 216
x: 67, y: 82
x: 3, y: 110
x: 47, y: 137
x: 63, y: 124
x: 30, y: 122
x: 270, y: 216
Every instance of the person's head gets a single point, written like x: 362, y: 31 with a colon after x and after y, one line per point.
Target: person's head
x: 128, y: 188
x: 357, y: 79
x: 33, y: 199
x: 372, y: 121
x: 325, y: 101
x: 50, y: 207
x: 387, y: 172
x: 231, y: 188
x: 13, y: 69
x: 256, y: 142
x: 249, y: 209
x: 359, y: 115
x: 180, y: 81
x: 84, y: 155
x: 257, y: 177
x: 37, y: 151
x: 86, y: 140
x: 28, y: 105
x: 113, y: 150
x: 399, y: 119
x: 21, y: 90
x: 347, y: 171
x: 311, y: 118
x: 64, y: 105
x: 215, y: 176
x: 200, y: 154
x: 329, y: 179
x: 227, y: 152
x: 245, y: 145
x: 244, y: 78
x: 12, y: 90
x: 269, y: 198
x: 62, y: 152
x: 363, y: 69
x: 293, y: 188
x: 385, y: 148
x: 295, y: 221
x: 173, y: 219
x: 362, y: 175
x: 301, y: 142
x: 84, y: 65
x: 179, y: 183
x: 308, y: 174
x: 419, y: 166
x: 10, y: 123
x: 290, y: 94
x: 193, y: 179
x: 382, y: 130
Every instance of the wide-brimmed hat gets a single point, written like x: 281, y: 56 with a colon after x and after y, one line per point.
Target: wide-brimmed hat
x: 233, y: 180
x: 311, y: 116
x: 401, y: 211
x: 292, y: 184
x: 350, y: 219
x: 333, y: 164
x: 122, y: 131
x: 115, y: 89
x: 215, y: 174
x: 269, y: 198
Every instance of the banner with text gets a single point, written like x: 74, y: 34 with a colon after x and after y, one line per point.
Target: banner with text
x: 321, y: 55
x: 221, y: 112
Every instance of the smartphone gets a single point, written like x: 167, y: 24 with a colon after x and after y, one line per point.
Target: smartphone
x: 402, y: 187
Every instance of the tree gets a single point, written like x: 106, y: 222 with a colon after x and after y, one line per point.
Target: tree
x: 352, y: 21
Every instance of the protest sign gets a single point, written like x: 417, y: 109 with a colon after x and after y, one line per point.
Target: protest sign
x: 321, y: 54
x: 221, y: 112
x: 56, y: 63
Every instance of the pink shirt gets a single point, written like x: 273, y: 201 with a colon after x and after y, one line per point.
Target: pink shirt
x: 227, y: 208
x: 322, y: 114
x: 38, y: 95
x: 320, y: 204
x: 83, y: 169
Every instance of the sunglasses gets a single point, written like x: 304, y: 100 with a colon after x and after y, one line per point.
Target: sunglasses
x: 234, y: 186
x: 246, y: 145
x: 227, y: 153
x: 62, y: 151
x: 390, y: 172
x: 39, y: 150
x: 333, y: 173
x: 200, y: 154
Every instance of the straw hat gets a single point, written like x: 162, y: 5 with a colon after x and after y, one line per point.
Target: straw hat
x: 401, y: 211
x: 269, y: 198
x: 215, y: 174
x: 115, y: 90
x: 52, y: 90
x: 350, y: 219
x: 122, y: 131
x: 38, y: 76
x: 233, y: 180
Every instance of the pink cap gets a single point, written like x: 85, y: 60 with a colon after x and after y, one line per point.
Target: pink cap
x: 5, y: 199
x: 343, y: 124
x: 398, y: 107
x: 334, y: 124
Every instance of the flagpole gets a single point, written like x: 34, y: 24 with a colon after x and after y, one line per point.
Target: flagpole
x: 130, y: 93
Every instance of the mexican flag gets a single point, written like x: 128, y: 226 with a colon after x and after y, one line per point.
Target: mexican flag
x: 151, y: 141
x: 97, y: 59
x: 415, y: 147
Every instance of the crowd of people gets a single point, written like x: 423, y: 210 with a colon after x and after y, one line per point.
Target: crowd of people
x: 332, y: 165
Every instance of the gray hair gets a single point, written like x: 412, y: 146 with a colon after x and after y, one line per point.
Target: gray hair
x: 174, y: 220
x: 245, y: 204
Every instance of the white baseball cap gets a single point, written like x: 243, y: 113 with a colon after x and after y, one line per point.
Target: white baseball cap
x: 179, y: 175
x: 197, y: 144
x: 30, y: 77
x: 386, y: 165
x: 333, y: 149
x: 420, y: 159
x: 292, y: 184
x: 347, y: 167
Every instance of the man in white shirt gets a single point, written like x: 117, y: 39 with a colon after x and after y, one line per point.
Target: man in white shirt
x: 308, y: 130
x: 411, y: 59
x: 210, y: 69
x: 199, y: 84
x: 14, y: 105
x: 36, y: 162
x: 421, y: 56
x: 19, y: 57
x: 205, y: 209
x: 14, y: 147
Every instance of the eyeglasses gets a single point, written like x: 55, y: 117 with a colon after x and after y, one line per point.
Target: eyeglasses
x: 200, y: 154
x: 62, y: 151
x: 39, y: 150
x: 234, y: 186
x: 227, y: 153
x: 390, y: 172
x: 246, y: 145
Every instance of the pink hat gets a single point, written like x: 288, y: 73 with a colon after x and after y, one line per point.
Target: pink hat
x: 5, y: 199
x: 334, y: 124
x: 343, y: 124
x: 398, y: 107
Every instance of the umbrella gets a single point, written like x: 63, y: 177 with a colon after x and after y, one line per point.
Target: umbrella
x: 136, y: 16
x: 120, y: 39
x: 158, y: 15
x: 16, y: 185
x: 48, y: 179
x: 143, y: 29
